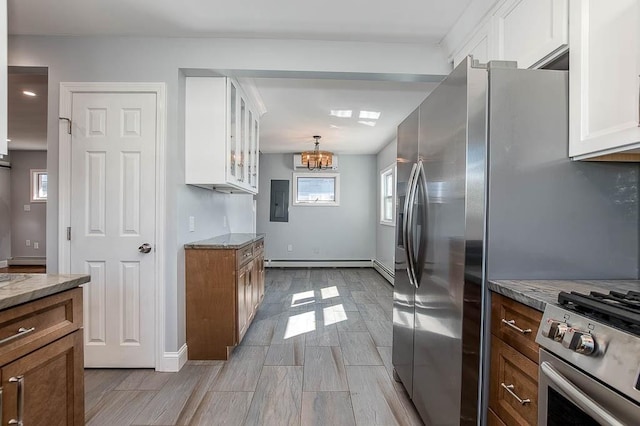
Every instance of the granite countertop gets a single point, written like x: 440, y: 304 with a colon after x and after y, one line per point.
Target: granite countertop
x: 227, y: 241
x: 21, y: 288
x: 537, y: 293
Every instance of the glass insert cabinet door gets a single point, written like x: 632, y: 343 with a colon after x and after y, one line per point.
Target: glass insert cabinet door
x: 242, y: 149
x: 233, y: 167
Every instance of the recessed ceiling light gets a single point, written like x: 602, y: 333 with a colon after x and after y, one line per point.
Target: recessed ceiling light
x: 371, y: 115
x: 342, y: 113
x: 333, y: 126
x: 367, y: 123
x: 28, y: 93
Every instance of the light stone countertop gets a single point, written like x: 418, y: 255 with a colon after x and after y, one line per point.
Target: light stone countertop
x: 537, y: 293
x: 21, y: 288
x: 224, y: 242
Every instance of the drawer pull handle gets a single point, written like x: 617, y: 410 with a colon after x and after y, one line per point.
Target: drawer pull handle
x: 509, y: 389
x: 21, y: 332
x: 20, y: 381
x: 512, y: 324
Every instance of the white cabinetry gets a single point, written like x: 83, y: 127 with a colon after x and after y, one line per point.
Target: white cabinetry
x: 603, y: 78
x: 477, y: 46
x: 3, y: 78
x: 221, y: 136
x: 530, y: 32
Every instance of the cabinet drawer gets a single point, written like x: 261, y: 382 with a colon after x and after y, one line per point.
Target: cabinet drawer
x: 258, y: 247
x: 514, y: 380
x: 29, y: 326
x: 244, y: 255
x: 516, y: 324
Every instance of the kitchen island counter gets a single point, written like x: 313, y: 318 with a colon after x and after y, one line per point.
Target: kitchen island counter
x: 22, y: 288
x: 537, y: 293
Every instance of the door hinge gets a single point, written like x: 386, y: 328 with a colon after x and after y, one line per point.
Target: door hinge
x: 68, y: 120
x: 68, y: 233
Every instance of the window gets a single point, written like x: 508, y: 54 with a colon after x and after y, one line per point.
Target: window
x: 38, y: 185
x: 387, y: 189
x: 316, y: 189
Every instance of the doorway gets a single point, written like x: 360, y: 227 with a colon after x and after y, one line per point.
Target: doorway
x: 23, y: 173
x: 110, y: 192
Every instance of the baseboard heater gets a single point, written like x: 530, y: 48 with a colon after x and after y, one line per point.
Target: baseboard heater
x: 27, y: 261
x: 324, y: 263
x: 387, y: 273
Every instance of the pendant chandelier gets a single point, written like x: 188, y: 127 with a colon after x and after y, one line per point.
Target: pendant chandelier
x: 316, y: 159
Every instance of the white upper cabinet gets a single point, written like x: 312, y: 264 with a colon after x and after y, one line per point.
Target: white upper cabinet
x: 221, y: 136
x: 3, y: 78
x: 530, y: 32
x: 477, y: 46
x: 603, y: 78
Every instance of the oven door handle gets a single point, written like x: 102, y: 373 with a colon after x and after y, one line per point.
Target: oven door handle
x: 578, y: 397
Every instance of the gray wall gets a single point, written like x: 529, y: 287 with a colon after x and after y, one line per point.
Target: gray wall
x: 343, y: 232
x: 160, y: 60
x: 5, y: 213
x: 27, y: 225
x: 385, y: 234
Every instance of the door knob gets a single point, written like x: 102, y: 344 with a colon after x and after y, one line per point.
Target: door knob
x: 145, y: 248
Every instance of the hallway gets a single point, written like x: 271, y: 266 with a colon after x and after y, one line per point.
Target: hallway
x: 318, y: 352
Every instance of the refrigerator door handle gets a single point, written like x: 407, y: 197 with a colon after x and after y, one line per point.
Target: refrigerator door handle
x: 407, y: 225
x: 421, y: 181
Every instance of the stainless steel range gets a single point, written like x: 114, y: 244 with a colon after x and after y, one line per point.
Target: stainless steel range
x: 589, y: 370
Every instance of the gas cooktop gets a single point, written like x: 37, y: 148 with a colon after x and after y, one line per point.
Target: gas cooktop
x: 620, y: 310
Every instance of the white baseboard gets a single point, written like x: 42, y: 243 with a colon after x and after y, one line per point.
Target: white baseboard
x: 173, y: 361
x: 3, y: 263
x: 270, y: 263
x: 388, y: 274
x: 28, y: 261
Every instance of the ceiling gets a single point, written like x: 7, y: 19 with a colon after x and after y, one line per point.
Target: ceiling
x: 421, y: 21
x: 27, y: 116
x: 298, y: 109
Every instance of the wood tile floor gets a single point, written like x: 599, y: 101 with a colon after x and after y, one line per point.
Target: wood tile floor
x: 317, y: 353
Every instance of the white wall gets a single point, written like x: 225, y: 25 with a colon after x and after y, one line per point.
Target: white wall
x: 343, y: 232
x: 385, y: 234
x: 159, y: 60
x: 27, y: 225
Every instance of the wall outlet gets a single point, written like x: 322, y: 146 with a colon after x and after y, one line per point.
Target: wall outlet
x: 27, y: 207
x: 36, y: 245
x: 316, y: 250
x: 290, y: 247
x: 192, y: 223
x: 28, y: 243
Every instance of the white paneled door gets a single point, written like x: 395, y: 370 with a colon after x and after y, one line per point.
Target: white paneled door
x: 113, y: 224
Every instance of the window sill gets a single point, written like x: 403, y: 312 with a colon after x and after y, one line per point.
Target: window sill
x: 386, y: 223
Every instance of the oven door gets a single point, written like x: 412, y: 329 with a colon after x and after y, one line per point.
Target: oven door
x: 567, y: 396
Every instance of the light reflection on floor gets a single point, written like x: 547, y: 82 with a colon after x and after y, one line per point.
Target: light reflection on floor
x: 306, y: 322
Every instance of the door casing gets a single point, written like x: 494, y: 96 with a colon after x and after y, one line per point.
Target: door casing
x: 64, y: 191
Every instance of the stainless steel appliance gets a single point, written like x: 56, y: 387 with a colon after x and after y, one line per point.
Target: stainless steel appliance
x: 486, y: 190
x: 589, y: 370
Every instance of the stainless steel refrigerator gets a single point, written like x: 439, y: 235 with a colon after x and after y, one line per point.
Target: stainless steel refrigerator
x: 486, y: 191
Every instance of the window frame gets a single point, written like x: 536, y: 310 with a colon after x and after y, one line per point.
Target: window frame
x: 35, y: 185
x: 390, y: 170
x: 294, y: 194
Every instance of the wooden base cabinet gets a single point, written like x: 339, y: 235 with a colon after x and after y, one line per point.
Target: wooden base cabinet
x: 46, y: 387
x: 513, y: 394
x: 224, y: 288
x: 42, y: 365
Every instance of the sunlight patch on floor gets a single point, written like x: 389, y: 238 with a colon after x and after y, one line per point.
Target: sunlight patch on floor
x: 329, y: 292
x: 300, y: 324
x: 302, y: 298
x: 334, y: 314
